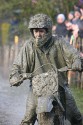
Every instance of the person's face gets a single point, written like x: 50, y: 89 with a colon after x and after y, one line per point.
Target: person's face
x: 60, y: 20
x: 77, y: 15
x: 70, y: 16
x: 68, y: 25
x: 39, y: 33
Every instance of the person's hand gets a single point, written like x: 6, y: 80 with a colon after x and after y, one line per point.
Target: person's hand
x: 16, y: 80
x: 68, y: 25
x: 54, y: 28
x: 75, y: 27
x: 76, y: 65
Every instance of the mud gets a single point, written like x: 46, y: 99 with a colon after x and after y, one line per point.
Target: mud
x: 12, y: 102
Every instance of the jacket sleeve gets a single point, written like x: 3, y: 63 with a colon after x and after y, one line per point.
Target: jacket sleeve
x: 69, y: 53
x: 21, y: 65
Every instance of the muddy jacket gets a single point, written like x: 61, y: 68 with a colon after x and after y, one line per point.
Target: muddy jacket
x: 57, y: 52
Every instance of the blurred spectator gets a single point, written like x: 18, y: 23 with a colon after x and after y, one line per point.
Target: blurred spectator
x: 80, y: 27
x: 77, y: 16
x: 81, y: 13
x: 77, y: 43
x: 71, y: 16
x: 68, y: 25
x: 69, y: 29
x: 61, y: 27
x: 53, y: 30
x: 76, y: 20
x: 76, y: 39
x: 80, y: 24
x: 73, y: 31
x: 73, y: 40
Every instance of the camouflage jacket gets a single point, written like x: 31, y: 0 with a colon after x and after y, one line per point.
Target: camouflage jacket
x: 57, y: 52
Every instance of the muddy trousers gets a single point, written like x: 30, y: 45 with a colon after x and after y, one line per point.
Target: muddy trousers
x: 72, y: 112
x: 30, y: 114
x: 45, y: 119
x: 50, y: 118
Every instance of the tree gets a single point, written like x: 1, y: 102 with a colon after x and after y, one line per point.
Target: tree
x: 28, y: 8
x: 24, y: 9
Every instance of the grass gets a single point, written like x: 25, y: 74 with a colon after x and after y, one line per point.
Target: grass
x: 78, y: 95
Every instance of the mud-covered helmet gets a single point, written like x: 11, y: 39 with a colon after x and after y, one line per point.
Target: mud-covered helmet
x: 40, y: 21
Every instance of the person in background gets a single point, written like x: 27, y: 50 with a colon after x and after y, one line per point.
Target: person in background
x: 74, y: 36
x: 74, y: 18
x: 80, y: 24
x: 77, y: 42
x: 69, y: 29
x: 61, y: 27
x: 81, y: 9
x: 71, y: 16
x: 77, y: 14
x: 53, y: 30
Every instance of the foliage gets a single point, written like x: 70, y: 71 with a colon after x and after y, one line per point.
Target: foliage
x: 24, y: 9
x: 50, y: 7
x: 78, y: 95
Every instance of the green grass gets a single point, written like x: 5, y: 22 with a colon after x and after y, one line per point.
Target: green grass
x: 78, y: 95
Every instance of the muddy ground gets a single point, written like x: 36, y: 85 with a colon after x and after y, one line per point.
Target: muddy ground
x: 12, y: 102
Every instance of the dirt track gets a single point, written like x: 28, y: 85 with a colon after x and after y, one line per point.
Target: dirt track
x: 12, y: 102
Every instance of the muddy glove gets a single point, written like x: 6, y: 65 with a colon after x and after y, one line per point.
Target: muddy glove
x: 16, y: 80
x: 76, y: 65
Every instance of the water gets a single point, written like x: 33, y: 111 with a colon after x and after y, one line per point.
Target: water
x: 12, y: 102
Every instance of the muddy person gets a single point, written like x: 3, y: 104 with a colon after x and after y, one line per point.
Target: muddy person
x: 41, y: 48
